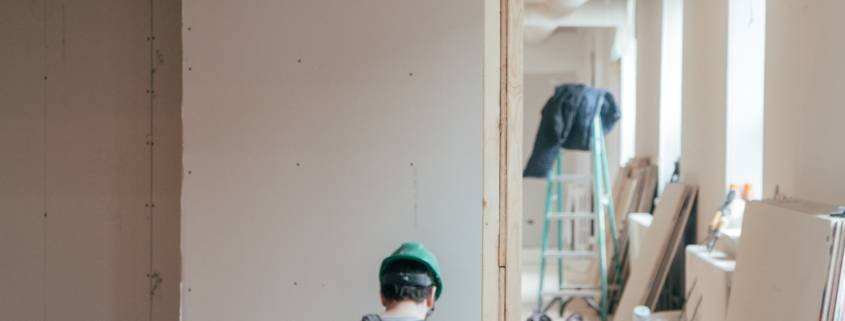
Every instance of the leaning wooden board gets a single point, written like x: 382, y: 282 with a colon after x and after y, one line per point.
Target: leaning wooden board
x: 783, y: 262
x: 671, y: 249
x: 644, y: 267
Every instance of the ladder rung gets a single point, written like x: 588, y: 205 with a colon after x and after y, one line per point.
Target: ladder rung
x: 570, y: 215
x: 575, y: 292
x: 584, y: 179
x: 572, y: 254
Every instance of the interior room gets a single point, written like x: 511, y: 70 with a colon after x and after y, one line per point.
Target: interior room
x: 509, y: 160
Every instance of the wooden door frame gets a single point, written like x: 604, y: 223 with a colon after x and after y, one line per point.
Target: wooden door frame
x: 502, y: 160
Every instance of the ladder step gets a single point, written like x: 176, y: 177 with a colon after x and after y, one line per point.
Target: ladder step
x: 572, y: 178
x: 570, y: 215
x: 580, y: 292
x: 572, y: 254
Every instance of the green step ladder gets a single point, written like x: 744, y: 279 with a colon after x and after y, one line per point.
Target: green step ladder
x: 596, y: 296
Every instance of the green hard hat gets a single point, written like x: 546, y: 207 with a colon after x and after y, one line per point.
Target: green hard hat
x: 414, y: 251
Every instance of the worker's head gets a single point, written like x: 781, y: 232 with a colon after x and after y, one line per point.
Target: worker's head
x: 410, y: 274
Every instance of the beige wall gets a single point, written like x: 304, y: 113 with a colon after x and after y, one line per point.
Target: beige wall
x: 649, y: 17
x: 704, y: 104
x: 320, y: 135
x: 80, y: 175
x: 804, y: 110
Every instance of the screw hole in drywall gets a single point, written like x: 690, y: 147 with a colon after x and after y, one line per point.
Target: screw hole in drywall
x: 189, y: 68
x: 189, y: 28
x: 410, y: 74
x: 412, y: 163
x: 295, y: 284
x: 298, y: 164
x: 189, y: 172
x: 299, y: 61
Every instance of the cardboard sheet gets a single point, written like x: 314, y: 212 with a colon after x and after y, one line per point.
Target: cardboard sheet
x: 783, y: 262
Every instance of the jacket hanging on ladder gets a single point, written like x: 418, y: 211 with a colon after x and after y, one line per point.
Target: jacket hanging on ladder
x: 567, y: 122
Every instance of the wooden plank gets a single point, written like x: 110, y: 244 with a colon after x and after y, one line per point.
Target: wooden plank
x: 671, y: 249
x: 649, y: 187
x: 167, y: 159
x: 628, y: 192
x: 22, y: 162
x: 510, y: 171
x: 98, y: 160
x: 491, y: 278
x: 779, y: 239
x: 644, y: 267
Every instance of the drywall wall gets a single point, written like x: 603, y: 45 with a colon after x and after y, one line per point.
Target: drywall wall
x: 659, y: 32
x: 671, y: 88
x: 317, y: 137
x: 79, y: 169
x: 704, y: 104
x: 804, y: 81
x: 649, y: 18
x: 22, y: 175
x: 565, y: 57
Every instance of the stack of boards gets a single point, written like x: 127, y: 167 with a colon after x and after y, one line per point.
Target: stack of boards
x: 660, y: 243
x: 634, y: 188
x: 633, y: 192
x: 789, y: 263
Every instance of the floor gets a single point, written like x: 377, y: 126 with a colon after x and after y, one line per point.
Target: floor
x: 576, y: 272
x: 580, y: 271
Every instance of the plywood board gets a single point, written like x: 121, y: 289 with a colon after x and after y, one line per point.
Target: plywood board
x: 510, y: 159
x: 98, y: 161
x: 672, y: 248
x: 778, y: 241
x: 629, y: 190
x: 302, y: 162
x: 490, y: 281
x: 21, y: 163
x: 646, y: 201
x: 643, y: 268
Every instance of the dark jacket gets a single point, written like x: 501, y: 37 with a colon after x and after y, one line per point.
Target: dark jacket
x: 567, y: 122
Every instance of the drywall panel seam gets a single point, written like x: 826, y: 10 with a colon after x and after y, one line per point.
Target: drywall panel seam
x: 44, y: 165
x: 151, y: 275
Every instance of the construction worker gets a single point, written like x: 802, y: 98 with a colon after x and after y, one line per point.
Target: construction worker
x: 410, y: 283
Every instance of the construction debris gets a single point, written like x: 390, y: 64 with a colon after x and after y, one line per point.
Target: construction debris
x: 649, y: 269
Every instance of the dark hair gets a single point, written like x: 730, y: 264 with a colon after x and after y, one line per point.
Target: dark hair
x: 402, y: 292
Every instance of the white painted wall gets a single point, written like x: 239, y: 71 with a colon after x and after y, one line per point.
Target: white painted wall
x: 745, y: 81
x: 659, y: 83
x: 704, y: 104
x: 671, y: 88
x: 320, y: 135
x: 805, y: 74
x: 649, y: 18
